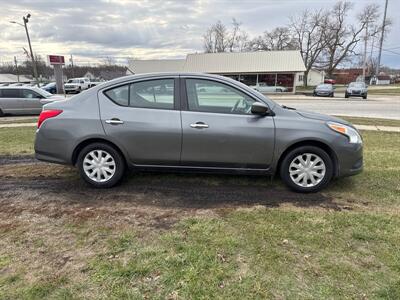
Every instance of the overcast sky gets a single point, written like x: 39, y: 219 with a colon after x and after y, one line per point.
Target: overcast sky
x: 92, y: 29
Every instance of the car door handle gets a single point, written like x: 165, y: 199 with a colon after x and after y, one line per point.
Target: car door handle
x: 114, y: 121
x: 199, y: 125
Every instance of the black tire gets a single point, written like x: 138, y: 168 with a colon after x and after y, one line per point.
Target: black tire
x: 365, y: 97
x: 346, y: 95
x: 115, y: 154
x: 332, y: 95
x: 285, y: 165
x: 1, y: 113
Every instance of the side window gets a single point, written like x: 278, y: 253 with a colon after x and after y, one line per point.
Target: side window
x: 145, y: 94
x: 25, y: 93
x: 10, y: 93
x: 215, y: 97
x: 152, y: 94
x: 120, y: 95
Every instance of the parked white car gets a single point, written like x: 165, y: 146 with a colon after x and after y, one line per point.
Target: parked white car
x: 76, y: 85
x: 262, y: 87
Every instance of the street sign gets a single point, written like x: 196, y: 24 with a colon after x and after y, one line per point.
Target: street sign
x: 56, y: 59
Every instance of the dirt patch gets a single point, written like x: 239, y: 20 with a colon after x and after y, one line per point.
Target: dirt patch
x: 56, y: 190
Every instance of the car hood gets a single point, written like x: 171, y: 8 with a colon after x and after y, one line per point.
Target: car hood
x: 322, y: 117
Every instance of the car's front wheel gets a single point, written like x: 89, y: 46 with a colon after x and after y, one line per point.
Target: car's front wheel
x: 306, y: 169
x: 101, y: 165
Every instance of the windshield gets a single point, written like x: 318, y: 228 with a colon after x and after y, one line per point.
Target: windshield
x: 51, y: 84
x: 43, y: 92
x: 73, y: 81
x: 356, y: 84
x: 324, y: 86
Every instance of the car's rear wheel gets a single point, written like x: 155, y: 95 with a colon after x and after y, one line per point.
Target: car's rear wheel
x: 101, y: 165
x: 306, y: 169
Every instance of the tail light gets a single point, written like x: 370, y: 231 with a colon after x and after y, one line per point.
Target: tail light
x: 47, y: 114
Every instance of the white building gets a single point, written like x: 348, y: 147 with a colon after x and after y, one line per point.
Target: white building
x: 315, y: 77
x: 274, y: 68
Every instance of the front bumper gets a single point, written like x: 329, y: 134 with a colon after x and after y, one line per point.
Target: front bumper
x: 71, y: 88
x: 323, y: 94
x: 356, y: 94
x: 350, y: 160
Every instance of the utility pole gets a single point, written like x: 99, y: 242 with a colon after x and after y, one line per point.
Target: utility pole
x: 16, y: 67
x: 26, y: 20
x: 381, y: 41
x: 72, y: 65
x: 365, y: 50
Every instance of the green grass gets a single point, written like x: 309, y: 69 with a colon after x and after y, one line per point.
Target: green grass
x: 389, y: 92
x: 17, y: 141
x: 245, y: 252
x: 265, y: 253
x: 371, y: 121
x: 379, y: 183
x: 18, y: 120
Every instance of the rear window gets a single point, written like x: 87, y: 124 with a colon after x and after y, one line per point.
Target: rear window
x: 9, y: 93
x: 157, y: 94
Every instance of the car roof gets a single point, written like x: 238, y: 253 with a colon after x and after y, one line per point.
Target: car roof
x: 18, y: 87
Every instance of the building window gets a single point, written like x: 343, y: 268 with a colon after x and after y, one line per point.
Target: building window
x: 267, y: 79
x: 285, y: 80
x: 248, y: 79
x: 301, y: 77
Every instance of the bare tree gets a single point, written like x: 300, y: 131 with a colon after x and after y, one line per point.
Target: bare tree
x: 308, y: 29
x: 341, y: 38
x: 280, y: 38
x: 108, y: 61
x: 219, y: 39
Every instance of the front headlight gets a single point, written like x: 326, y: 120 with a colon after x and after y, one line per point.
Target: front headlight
x: 352, y: 134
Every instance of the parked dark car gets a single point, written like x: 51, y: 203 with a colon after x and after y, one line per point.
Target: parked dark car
x: 324, y: 90
x: 50, y: 87
x: 194, y: 122
x: 357, y: 89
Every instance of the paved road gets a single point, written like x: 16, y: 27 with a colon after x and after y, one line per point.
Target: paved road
x: 375, y: 106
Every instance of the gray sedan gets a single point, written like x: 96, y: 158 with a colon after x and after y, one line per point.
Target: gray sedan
x: 324, y: 90
x: 20, y: 100
x: 357, y: 89
x: 194, y: 122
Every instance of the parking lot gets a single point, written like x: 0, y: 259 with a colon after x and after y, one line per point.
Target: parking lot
x: 376, y: 106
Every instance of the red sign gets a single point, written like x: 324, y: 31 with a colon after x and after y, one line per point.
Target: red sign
x: 56, y: 60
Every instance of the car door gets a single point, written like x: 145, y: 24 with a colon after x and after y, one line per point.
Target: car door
x: 144, y: 118
x: 10, y: 101
x: 219, y: 129
x: 31, y: 101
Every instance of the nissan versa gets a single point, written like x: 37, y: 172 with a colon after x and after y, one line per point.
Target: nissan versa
x: 194, y: 122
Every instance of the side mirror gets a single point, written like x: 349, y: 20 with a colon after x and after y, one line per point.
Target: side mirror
x: 259, y: 108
